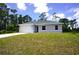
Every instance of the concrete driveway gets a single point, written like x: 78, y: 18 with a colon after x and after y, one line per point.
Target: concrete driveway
x: 8, y: 35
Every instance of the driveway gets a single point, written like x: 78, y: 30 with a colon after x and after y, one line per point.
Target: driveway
x: 8, y: 35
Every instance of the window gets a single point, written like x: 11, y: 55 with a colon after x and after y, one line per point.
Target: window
x: 56, y: 27
x: 43, y: 27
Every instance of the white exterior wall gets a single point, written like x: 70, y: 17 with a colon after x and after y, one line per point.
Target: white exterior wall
x: 30, y: 28
x: 26, y: 28
x: 50, y: 28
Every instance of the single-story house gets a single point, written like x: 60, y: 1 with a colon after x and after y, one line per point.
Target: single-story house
x: 40, y: 26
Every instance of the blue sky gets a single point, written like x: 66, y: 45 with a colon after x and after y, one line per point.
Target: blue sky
x: 68, y: 10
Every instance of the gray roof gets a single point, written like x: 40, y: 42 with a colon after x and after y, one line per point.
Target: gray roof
x: 49, y: 22
x: 42, y: 22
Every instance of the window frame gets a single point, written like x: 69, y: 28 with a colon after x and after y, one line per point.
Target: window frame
x: 43, y: 27
x: 56, y: 27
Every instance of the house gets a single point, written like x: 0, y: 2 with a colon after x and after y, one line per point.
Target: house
x: 40, y: 26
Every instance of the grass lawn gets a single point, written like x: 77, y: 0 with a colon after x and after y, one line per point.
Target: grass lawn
x: 41, y: 43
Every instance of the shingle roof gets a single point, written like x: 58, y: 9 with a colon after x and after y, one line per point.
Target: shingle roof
x: 49, y: 22
x: 43, y: 22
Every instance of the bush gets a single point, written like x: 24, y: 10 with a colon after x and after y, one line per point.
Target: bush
x: 3, y: 31
x: 12, y: 28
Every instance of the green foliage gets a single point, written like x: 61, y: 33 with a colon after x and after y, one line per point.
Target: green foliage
x: 13, y: 11
x: 5, y: 31
x: 69, y: 25
x: 9, y: 22
x: 11, y: 27
x: 73, y: 23
x: 65, y: 24
x: 20, y: 18
x: 2, y: 31
x: 27, y: 18
x: 42, y: 17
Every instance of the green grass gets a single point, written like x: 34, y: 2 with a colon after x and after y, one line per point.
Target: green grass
x: 41, y: 43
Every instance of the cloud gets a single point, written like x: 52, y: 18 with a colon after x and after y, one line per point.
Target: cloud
x: 51, y: 18
x: 75, y: 15
x: 40, y: 7
x: 8, y: 6
x: 76, y: 9
x: 70, y: 18
x: 70, y: 10
x: 76, y: 12
x: 21, y: 6
x: 61, y: 15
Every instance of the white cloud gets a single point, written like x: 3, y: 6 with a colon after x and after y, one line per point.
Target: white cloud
x: 61, y: 15
x: 76, y: 10
x: 70, y: 18
x: 75, y: 15
x: 51, y: 18
x: 8, y: 6
x: 21, y: 6
x: 70, y: 10
x: 40, y: 7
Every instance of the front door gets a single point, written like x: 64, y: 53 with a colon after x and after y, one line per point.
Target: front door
x: 36, y: 28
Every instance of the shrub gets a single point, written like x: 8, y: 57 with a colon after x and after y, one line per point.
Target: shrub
x: 2, y: 31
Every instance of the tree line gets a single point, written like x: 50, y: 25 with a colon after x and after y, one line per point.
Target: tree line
x: 9, y: 21
x: 69, y: 25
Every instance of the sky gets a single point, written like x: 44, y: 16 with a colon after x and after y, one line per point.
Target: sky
x: 63, y: 10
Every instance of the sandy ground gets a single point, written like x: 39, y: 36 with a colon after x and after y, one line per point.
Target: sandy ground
x: 8, y: 35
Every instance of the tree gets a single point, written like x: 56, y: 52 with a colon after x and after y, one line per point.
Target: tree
x: 15, y: 15
x: 43, y: 17
x: 72, y: 24
x: 27, y: 18
x: 3, y: 16
x: 20, y: 19
x: 13, y: 11
x: 9, y: 22
x: 55, y: 17
x: 65, y: 24
x: 7, y: 18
